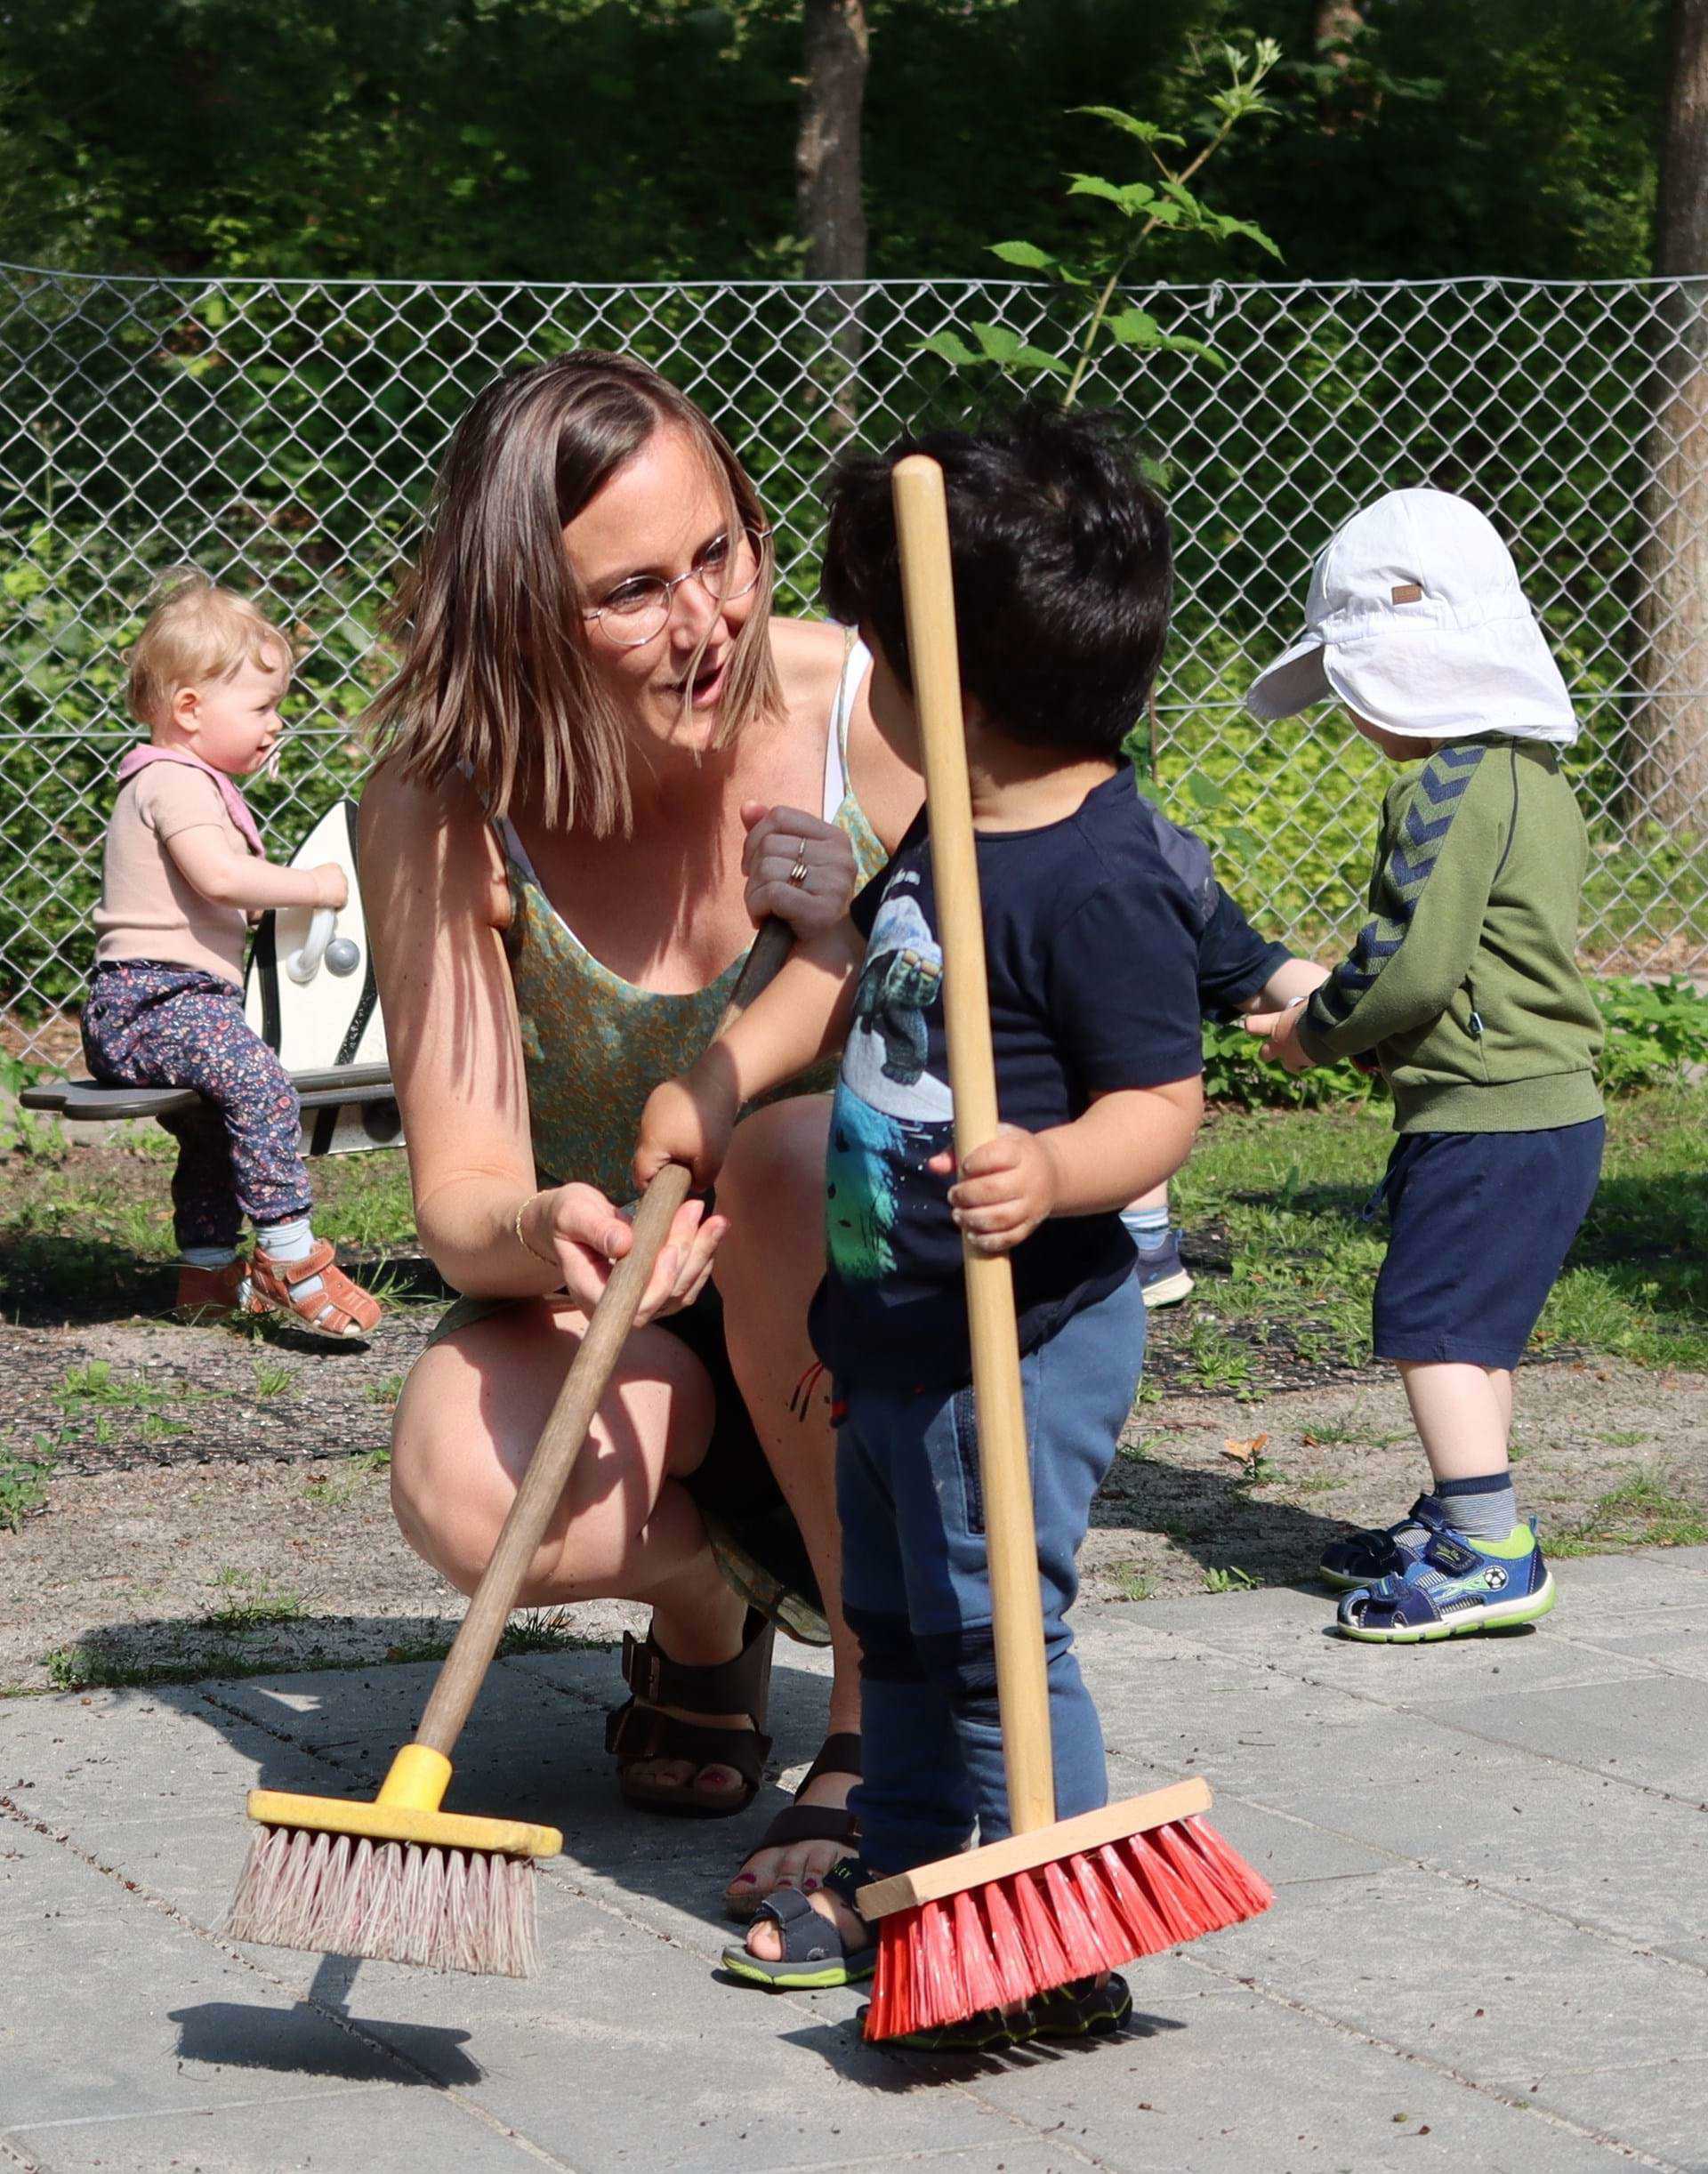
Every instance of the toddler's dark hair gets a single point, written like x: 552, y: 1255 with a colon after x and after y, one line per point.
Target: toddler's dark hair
x: 1062, y: 571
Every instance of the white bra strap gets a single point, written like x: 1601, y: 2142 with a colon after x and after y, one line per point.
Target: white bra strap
x: 857, y: 662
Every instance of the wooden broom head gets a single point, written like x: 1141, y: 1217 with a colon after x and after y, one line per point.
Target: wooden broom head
x: 1018, y: 1853
x: 996, y: 1927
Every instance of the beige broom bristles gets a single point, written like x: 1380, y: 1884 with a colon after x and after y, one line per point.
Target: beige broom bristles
x: 346, y: 1894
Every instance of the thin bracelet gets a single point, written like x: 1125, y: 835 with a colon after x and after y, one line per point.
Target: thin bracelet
x: 516, y: 1225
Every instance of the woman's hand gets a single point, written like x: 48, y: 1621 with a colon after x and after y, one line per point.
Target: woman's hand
x: 687, y: 1121
x: 1006, y: 1189
x: 578, y: 1227
x: 779, y: 839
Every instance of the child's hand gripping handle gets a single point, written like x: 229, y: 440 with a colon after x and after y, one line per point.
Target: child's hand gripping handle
x: 565, y: 1432
x: 928, y: 592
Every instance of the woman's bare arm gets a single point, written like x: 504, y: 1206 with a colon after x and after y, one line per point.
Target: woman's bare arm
x: 435, y: 902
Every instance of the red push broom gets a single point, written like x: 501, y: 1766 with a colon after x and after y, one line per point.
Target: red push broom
x: 1055, y: 1901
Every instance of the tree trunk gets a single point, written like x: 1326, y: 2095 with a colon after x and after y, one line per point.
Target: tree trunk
x: 829, y: 198
x: 1335, y: 24
x: 1669, y: 728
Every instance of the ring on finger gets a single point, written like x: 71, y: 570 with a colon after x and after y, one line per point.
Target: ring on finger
x: 798, y: 873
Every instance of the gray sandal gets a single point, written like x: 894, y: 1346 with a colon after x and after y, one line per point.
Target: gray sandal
x: 814, y: 1956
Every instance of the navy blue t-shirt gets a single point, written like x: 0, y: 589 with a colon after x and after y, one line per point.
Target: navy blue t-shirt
x: 1233, y: 961
x: 1092, y: 950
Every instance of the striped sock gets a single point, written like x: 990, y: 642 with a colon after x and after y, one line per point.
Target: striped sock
x: 1147, y: 1227
x: 1483, y: 1508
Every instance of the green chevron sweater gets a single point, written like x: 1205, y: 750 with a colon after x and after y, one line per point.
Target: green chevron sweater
x: 1463, y: 983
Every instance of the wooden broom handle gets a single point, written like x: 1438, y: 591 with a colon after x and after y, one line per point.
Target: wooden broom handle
x: 928, y: 592
x: 609, y: 1329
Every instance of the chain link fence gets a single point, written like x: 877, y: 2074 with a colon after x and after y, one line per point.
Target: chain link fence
x: 282, y: 434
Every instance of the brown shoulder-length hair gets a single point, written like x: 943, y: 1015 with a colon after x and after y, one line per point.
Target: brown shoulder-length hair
x: 496, y: 680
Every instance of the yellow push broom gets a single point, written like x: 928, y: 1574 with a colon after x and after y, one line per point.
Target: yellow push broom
x: 398, y: 1878
x: 1054, y: 1901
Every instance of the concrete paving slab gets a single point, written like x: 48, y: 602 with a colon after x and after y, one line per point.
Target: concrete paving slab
x: 99, y: 2038
x: 1652, y: 1730
x: 1583, y: 1846
x: 1493, y: 1808
x: 143, y: 1754
x: 360, y: 2131
x: 1673, y: 1639
x: 1648, y: 1570
x: 625, y: 2052
x: 1222, y: 2079
x: 1290, y: 1638
x: 1606, y: 2037
x: 1288, y: 1848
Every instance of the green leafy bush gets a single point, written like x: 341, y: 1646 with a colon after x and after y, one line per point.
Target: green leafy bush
x: 1655, y: 1031
x: 1657, y: 1034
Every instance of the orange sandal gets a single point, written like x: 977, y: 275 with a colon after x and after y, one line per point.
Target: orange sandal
x: 339, y: 1308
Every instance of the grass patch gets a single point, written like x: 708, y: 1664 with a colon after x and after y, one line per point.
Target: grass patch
x: 533, y: 1630
x: 1232, y: 1580
x: 224, y: 1644
x: 1215, y: 1361
x: 274, y: 1379
x: 1647, y: 1510
x: 95, y: 1390
x: 23, y: 1482
x: 253, y: 1605
x: 1130, y: 1583
x: 1286, y: 1190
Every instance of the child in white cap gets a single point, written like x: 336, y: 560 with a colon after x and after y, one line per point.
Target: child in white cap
x: 1462, y: 987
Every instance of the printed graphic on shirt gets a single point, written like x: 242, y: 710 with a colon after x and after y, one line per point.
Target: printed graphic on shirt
x: 892, y: 1113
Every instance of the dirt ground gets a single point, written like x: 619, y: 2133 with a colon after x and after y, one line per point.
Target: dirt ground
x: 259, y: 1535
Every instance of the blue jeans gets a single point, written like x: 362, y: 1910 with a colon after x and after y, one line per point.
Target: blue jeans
x: 916, y: 1585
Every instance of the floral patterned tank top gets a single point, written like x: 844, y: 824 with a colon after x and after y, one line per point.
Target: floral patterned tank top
x: 595, y: 1046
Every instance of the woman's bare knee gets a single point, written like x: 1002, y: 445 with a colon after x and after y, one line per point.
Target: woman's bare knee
x: 465, y: 1431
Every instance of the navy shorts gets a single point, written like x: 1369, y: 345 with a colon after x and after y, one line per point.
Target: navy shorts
x: 1479, y: 1226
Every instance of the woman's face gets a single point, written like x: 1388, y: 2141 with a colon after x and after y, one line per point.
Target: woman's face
x: 661, y: 515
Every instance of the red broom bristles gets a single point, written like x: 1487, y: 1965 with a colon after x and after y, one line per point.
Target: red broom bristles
x: 1008, y: 1950
x: 999, y: 1945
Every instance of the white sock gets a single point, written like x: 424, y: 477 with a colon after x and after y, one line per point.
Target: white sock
x: 208, y: 1256
x: 285, y: 1243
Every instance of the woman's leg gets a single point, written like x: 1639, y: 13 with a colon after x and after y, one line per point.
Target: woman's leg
x: 769, y: 1265
x: 466, y: 1425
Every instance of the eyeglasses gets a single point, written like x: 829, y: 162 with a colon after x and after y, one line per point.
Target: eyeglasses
x: 638, y: 610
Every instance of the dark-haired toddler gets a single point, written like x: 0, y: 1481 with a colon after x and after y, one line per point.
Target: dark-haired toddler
x: 1062, y: 568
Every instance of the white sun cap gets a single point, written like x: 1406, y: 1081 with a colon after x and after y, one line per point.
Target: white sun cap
x: 1417, y: 622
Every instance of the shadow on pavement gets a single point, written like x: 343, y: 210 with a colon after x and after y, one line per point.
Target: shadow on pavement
x: 229, y: 2034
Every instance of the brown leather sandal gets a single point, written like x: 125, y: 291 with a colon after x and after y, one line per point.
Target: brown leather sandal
x: 802, y: 1822
x: 339, y: 1308
x: 637, y: 1732
x: 212, y: 1294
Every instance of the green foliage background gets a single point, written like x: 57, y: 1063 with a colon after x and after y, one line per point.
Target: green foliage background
x: 285, y: 434
x: 588, y: 140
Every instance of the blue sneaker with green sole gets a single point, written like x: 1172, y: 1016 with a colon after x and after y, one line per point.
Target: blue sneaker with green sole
x: 1457, y: 1587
